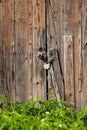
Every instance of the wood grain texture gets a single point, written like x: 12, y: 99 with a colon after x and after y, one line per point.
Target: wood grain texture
x: 1, y: 39
x: 55, y: 42
x: 84, y: 54
x: 5, y: 47
x: 71, y: 26
x: 30, y: 46
x: 21, y: 50
x: 80, y: 50
x: 39, y: 81
x: 69, y: 70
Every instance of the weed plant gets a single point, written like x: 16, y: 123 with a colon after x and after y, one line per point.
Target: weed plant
x: 41, y: 115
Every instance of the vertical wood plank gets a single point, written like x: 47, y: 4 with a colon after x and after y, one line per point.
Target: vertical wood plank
x: 71, y: 25
x: 30, y: 46
x: 9, y: 29
x: 43, y: 44
x: 80, y: 50
x: 21, y: 47
x: 76, y: 55
x: 39, y: 81
x: 35, y: 32
x: 69, y: 70
x: 84, y: 54
x: 4, y: 46
x: 27, y: 33
x: 55, y: 41
x: 6, y: 41
x: 1, y: 35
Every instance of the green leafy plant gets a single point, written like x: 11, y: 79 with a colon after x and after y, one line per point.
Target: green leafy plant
x: 41, y: 115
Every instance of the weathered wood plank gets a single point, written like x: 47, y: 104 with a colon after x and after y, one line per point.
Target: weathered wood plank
x: 27, y: 33
x: 35, y: 40
x: 76, y: 53
x: 55, y: 74
x: 41, y: 44
x: 30, y: 46
x: 5, y: 47
x: 71, y: 25
x: 39, y: 81
x: 55, y: 84
x: 55, y: 39
x: 1, y: 35
x: 9, y: 29
x: 69, y: 70
x: 50, y: 39
x: 21, y: 54
x: 80, y: 50
x: 84, y: 54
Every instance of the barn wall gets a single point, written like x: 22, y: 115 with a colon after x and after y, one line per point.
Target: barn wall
x: 22, y: 33
x: 30, y: 30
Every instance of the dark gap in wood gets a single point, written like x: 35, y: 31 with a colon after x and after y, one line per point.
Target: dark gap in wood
x: 86, y: 24
x: 61, y: 71
x: 14, y: 53
x: 74, y: 74
x: 80, y: 10
x: 46, y: 31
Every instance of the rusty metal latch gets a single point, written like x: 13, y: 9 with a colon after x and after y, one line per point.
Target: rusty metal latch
x: 42, y: 56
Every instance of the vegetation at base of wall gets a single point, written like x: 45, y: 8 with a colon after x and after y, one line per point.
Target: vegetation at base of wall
x: 41, y: 115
